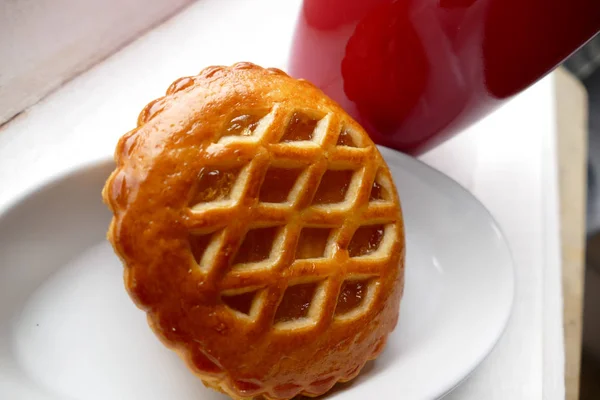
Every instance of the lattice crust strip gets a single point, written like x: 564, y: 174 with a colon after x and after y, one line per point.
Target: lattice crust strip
x: 295, y: 188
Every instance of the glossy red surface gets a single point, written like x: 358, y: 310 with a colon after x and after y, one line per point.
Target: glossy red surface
x: 414, y: 72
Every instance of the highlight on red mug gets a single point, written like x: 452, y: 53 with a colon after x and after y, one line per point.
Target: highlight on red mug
x: 415, y: 72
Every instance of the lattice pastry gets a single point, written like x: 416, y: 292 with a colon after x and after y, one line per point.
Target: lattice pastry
x: 260, y: 230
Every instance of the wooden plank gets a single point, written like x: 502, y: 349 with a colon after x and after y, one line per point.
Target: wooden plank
x: 572, y: 107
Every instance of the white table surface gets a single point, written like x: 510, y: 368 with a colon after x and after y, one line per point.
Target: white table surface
x: 508, y: 161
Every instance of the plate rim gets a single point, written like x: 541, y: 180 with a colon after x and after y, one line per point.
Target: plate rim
x: 510, y: 267
x: 53, y: 178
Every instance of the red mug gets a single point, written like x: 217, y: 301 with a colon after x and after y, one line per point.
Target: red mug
x: 415, y: 72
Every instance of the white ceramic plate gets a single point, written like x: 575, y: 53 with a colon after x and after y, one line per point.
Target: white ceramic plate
x: 68, y: 330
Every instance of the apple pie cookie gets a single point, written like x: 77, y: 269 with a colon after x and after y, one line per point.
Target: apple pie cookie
x: 260, y: 229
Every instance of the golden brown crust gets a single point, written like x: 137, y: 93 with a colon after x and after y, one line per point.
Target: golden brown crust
x: 161, y: 218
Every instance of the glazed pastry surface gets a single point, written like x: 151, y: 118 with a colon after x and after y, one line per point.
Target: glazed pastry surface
x: 261, y: 231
